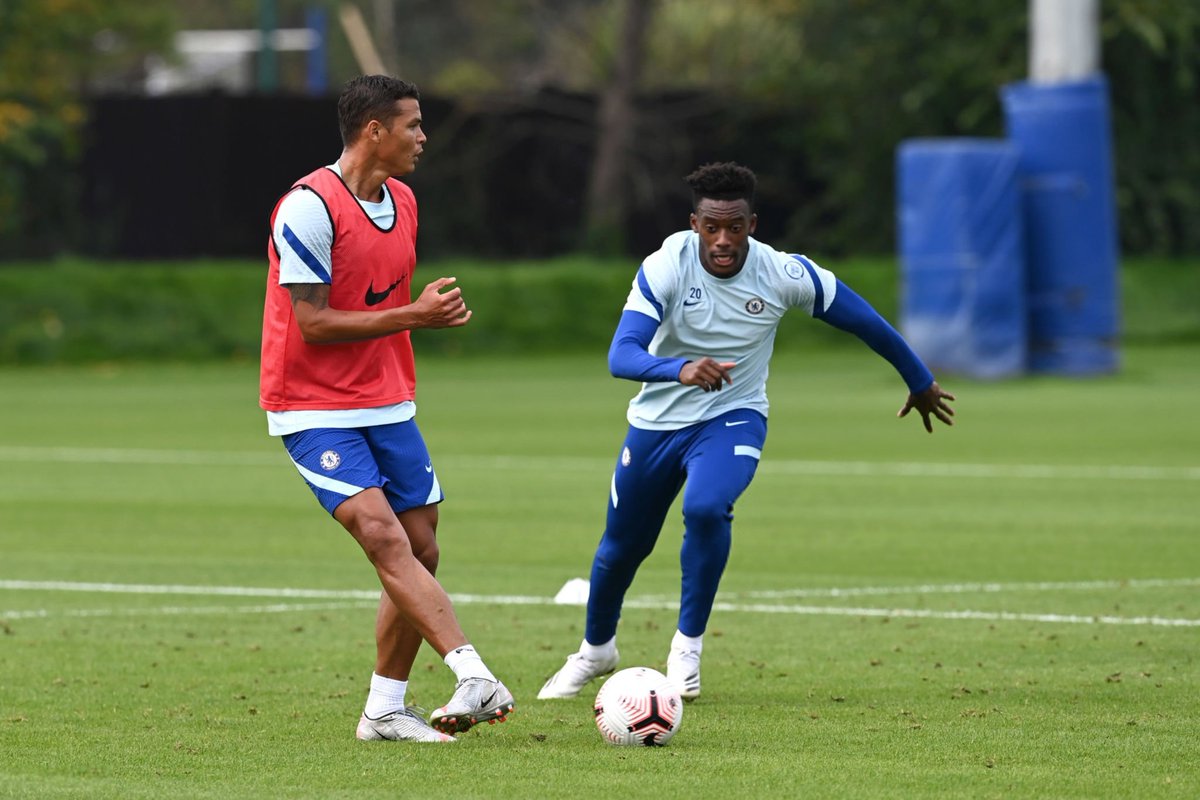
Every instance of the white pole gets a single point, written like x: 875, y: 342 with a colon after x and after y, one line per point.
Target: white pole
x: 1064, y: 40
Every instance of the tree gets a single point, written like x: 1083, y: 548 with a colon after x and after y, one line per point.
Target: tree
x: 607, y: 190
x: 1151, y: 54
x: 48, y: 53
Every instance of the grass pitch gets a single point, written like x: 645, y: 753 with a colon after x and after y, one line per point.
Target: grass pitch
x: 1008, y: 608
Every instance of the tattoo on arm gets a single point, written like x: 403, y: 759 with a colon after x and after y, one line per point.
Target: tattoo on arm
x: 315, y: 294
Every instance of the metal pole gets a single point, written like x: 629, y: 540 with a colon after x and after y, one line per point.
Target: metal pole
x: 268, y: 62
x: 1064, y: 40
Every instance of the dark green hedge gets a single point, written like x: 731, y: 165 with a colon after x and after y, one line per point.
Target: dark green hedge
x: 72, y: 311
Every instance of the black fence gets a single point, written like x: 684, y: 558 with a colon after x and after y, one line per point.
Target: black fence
x: 197, y: 175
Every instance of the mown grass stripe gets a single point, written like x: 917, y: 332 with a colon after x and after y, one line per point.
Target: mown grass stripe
x: 867, y: 469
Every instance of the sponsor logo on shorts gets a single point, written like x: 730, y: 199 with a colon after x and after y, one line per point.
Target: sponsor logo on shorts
x: 625, y: 457
x: 330, y: 460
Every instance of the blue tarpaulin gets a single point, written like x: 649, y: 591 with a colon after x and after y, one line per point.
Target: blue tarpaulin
x: 1062, y: 134
x: 962, y: 257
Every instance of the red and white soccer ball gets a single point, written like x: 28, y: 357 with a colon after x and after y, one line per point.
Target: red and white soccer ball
x: 638, y: 706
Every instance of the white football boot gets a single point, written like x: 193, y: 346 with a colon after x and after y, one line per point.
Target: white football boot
x: 683, y: 670
x: 475, y: 700
x: 575, y: 674
x: 405, y: 725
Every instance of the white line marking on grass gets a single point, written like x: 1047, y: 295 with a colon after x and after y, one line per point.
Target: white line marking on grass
x: 209, y: 591
x: 759, y: 608
x: 874, y: 469
x: 859, y: 469
x: 973, y: 588
x: 481, y: 599
x: 113, y: 455
x: 870, y: 469
x: 922, y: 613
x: 274, y: 608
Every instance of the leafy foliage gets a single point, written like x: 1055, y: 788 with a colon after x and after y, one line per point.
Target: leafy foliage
x: 818, y: 92
x: 836, y: 85
x: 833, y: 86
x: 1152, y: 58
x: 875, y: 74
x: 48, y: 50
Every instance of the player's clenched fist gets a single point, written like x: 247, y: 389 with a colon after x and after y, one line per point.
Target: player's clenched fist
x: 707, y: 373
x: 438, y: 309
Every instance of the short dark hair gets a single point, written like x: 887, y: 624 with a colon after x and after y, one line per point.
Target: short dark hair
x: 369, y: 97
x: 725, y: 180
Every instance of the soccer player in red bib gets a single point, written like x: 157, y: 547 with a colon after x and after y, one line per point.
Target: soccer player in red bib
x: 338, y: 384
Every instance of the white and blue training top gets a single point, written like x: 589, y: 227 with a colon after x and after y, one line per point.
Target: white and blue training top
x: 678, y: 312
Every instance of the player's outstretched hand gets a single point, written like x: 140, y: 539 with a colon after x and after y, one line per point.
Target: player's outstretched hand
x: 438, y: 309
x: 931, y: 401
x: 707, y: 373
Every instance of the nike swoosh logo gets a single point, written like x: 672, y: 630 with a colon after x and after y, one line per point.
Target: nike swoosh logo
x: 429, y: 467
x: 488, y: 702
x: 739, y: 422
x: 691, y: 302
x: 374, y: 298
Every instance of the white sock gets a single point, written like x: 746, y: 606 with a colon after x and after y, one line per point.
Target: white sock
x: 386, y: 696
x: 681, y: 642
x: 466, y: 663
x: 598, y: 652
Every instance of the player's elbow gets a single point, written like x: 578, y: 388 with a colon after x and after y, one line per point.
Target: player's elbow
x: 316, y: 325
x: 619, y: 361
x: 309, y: 332
x: 614, y: 359
x: 314, y: 332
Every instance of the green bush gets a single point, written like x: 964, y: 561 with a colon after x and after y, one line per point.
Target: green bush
x: 74, y: 311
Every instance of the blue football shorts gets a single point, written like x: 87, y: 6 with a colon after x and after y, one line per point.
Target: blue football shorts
x: 338, y: 463
x: 717, y: 458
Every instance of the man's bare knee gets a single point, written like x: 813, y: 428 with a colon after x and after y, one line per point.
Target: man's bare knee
x: 421, y: 526
x: 384, y: 541
x: 429, y: 556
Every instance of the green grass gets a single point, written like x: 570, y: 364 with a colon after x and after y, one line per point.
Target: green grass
x: 164, y: 476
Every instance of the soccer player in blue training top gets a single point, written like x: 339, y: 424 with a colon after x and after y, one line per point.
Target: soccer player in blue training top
x: 698, y: 329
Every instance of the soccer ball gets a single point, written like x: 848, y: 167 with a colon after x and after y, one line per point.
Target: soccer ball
x: 638, y: 706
